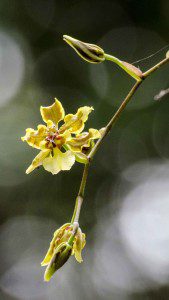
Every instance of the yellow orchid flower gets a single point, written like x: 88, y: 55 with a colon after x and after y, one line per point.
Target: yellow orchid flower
x: 61, y: 249
x: 60, y: 147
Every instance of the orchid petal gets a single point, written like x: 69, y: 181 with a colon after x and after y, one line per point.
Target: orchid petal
x: 54, y: 112
x: 83, y: 140
x: 59, y: 161
x: 35, y: 137
x: 79, y: 245
x: 38, y: 160
x: 75, y: 123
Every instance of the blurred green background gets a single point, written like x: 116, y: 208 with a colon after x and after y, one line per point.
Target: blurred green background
x: 126, y: 209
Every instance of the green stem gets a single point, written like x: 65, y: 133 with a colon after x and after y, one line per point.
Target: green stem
x: 123, y: 65
x: 114, y: 59
x: 114, y: 119
x: 75, y: 228
x: 79, y: 199
x: 123, y: 105
x: 157, y: 66
x: 108, y: 127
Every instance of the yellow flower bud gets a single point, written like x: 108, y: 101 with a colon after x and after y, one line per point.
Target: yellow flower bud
x: 89, y: 52
x: 60, y: 257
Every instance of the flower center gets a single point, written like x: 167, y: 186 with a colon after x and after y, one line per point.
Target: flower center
x: 53, y: 139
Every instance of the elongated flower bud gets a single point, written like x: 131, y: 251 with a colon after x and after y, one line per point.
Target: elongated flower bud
x: 89, y: 52
x: 60, y: 257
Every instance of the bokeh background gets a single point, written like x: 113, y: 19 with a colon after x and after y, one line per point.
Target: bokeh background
x: 126, y: 210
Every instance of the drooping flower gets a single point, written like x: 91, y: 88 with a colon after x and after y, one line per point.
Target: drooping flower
x: 61, y: 249
x: 60, y: 146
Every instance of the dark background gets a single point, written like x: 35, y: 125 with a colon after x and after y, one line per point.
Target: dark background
x: 126, y: 208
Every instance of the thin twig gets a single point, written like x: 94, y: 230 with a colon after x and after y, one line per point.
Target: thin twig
x: 79, y: 199
x: 114, y: 119
x: 108, y: 128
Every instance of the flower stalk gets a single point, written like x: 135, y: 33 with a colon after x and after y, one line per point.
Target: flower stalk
x: 114, y: 119
x: 79, y: 199
x: 123, y: 105
x: 107, y: 129
x: 128, y: 68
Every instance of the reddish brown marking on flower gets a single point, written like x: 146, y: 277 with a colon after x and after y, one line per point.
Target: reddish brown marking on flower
x: 47, y: 144
x: 85, y: 150
x: 51, y: 139
x: 68, y: 227
x: 53, y: 144
x: 57, y: 240
x: 58, y: 137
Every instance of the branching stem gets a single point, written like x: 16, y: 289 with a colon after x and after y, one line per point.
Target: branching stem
x: 79, y: 199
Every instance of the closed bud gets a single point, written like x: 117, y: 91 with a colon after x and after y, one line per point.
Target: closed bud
x: 89, y: 52
x: 60, y: 257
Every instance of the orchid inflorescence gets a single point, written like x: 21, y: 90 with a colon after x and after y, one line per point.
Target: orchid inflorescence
x: 62, y: 141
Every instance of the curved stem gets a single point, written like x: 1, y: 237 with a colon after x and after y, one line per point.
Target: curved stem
x: 123, y: 105
x: 124, y: 66
x: 108, y: 127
